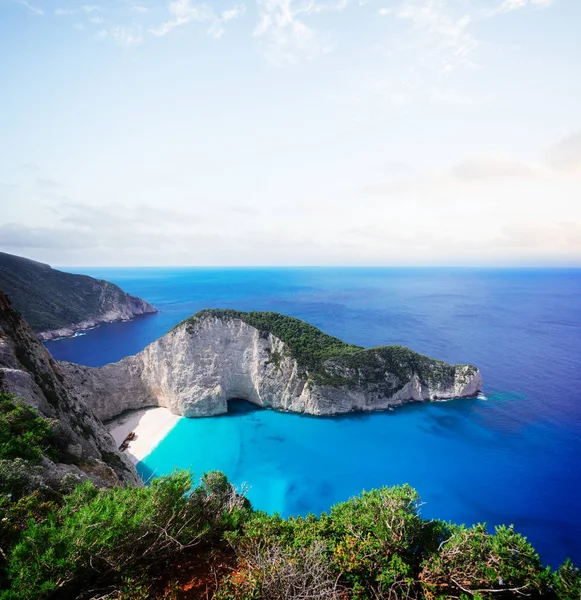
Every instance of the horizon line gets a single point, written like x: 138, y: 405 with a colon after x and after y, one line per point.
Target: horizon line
x: 511, y: 266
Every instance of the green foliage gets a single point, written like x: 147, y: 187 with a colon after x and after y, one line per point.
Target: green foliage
x: 99, y: 534
x: 379, y: 537
x: 309, y: 345
x: 23, y: 433
x: 473, y: 560
x: 377, y: 546
x: 330, y: 361
x: 566, y: 581
x: 15, y: 517
x: 116, y: 542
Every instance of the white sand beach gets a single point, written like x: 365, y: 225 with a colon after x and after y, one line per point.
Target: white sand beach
x: 150, y: 425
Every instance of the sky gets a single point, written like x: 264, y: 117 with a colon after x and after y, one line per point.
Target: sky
x: 291, y: 132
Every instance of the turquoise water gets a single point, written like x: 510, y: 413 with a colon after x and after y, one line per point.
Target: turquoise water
x: 514, y: 458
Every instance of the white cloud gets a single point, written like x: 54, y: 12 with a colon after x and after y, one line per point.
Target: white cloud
x: 86, y: 8
x: 39, y: 12
x: 286, y: 36
x: 565, y: 154
x: 488, y: 167
x: 181, y: 13
x: 140, y: 10
x: 441, y: 27
x: 508, y: 5
x: 233, y: 13
x: 124, y: 36
x: 442, y: 30
x: 217, y: 28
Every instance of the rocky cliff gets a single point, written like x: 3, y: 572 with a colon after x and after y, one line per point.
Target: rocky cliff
x: 85, y: 448
x: 271, y: 360
x: 57, y: 304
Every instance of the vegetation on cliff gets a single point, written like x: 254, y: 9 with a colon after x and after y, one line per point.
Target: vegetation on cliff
x: 49, y: 299
x: 329, y: 360
x: 23, y: 433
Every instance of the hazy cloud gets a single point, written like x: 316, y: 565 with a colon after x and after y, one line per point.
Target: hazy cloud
x: 47, y: 184
x: 555, y: 237
x: 487, y: 167
x: 181, y: 13
x: 20, y: 237
x: 284, y: 33
x: 39, y: 12
x: 124, y: 36
x: 30, y: 167
x: 86, y: 8
x: 508, y: 5
x: 442, y: 26
x: 565, y: 154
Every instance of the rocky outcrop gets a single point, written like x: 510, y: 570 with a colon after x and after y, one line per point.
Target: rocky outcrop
x: 57, y: 304
x: 85, y: 447
x: 219, y: 355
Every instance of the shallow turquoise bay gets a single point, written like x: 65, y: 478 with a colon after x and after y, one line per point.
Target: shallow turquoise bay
x: 462, y: 456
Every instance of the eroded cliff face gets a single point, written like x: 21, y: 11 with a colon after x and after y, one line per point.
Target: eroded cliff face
x: 195, y: 369
x: 28, y: 371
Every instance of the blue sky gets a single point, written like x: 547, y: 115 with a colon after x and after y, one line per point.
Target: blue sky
x: 278, y: 132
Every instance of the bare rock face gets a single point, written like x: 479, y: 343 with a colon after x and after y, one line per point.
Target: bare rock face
x: 196, y: 368
x: 28, y: 371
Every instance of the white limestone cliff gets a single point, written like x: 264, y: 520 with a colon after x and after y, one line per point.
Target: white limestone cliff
x: 196, y: 368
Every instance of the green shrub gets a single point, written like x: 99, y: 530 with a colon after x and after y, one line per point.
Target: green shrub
x: 378, y: 539
x: 98, y: 534
x: 23, y: 433
x: 566, y: 582
x: 16, y: 515
x: 472, y: 560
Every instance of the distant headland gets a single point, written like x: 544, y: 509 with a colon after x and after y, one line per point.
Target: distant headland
x: 57, y: 304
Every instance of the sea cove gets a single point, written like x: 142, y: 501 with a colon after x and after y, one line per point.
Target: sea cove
x: 512, y: 458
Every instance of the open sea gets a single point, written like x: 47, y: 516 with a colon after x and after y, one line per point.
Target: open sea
x: 511, y: 458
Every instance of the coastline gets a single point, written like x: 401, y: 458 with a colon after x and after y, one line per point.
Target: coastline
x: 78, y: 329
x: 150, y: 426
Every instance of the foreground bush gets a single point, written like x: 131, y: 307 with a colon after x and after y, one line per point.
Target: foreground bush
x: 122, y: 543
x: 97, y: 535
x: 377, y: 546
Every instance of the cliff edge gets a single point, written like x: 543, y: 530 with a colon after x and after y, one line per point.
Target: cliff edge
x: 58, y: 304
x: 83, y: 445
x: 271, y: 360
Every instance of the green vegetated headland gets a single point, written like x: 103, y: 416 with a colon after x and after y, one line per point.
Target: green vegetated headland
x: 179, y: 539
x: 50, y: 299
x: 329, y: 360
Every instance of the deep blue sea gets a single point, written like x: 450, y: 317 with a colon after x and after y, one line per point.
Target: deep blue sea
x: 514, y: 458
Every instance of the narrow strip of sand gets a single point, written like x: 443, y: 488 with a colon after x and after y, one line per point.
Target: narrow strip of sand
x: 150, y: 426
